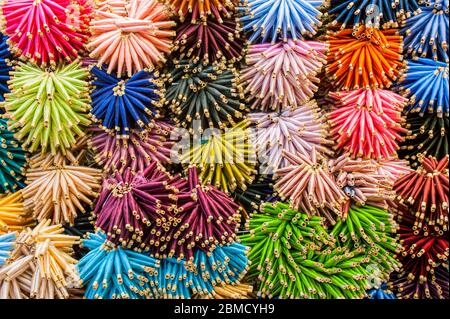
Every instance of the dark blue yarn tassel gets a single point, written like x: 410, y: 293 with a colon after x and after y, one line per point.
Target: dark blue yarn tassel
x: 5, y: 66
x: 122, y: 104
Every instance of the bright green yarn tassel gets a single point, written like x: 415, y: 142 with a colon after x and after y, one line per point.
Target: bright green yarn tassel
x: 372, y: 229
x: 48, y: 108
x: 294, y: 256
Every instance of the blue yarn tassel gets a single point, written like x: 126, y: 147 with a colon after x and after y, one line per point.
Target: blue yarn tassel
x: 226, y: 264
x: 425, y: 83
x: 110, y: 272
x: 426, y: 35
x: 122, y: 104
x: 113, y: 272
x: 7, y: 244
x: 180, y: 279
x: 272, y: 20
x: 5, y: 66
x: 380, y: 293
x: 171, y: 281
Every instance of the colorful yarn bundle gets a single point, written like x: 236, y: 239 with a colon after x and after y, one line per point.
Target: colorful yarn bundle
x: 283, y: 75
x: 223, y: 267
x: 293, y: 131
x: 41, y: 265
x: 425, y: 191
x: 426, y: 34
x: 433, y: 246
x: 363, y: 183
x: 132, y: 40
x: 13, y: 216
x: 209, y: 41
x: 367, y: 123
x: 202, y: 10
x: 372, y: 229
x: 202, y: 96
x: 287, y: 245
x: 421, y: 284
x: 364, y: 58
x: 131, y: 206
x: 5, y: 66
x: 425, y: 84
x: 136, y: 152
x: 44, y: 31
x: 12, y: 160
x: 60, y: 192
x: 122, y: 104
x: 428, y: 137
x: 48, y: 107
x: 172, y: 281
x: 310, y: 186
x: 293, y: 256
x: 204, y: 218
x: 425, y: 262
x: 391, y: 170
x: 274, y: 20
x: 224, y: 149
x: 377, y: 13
x: 227, y: 161
x: 59, y: 187
x: 108, y: 272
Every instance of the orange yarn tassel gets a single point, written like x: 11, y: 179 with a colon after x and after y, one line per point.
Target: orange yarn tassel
x: 364, y: 58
